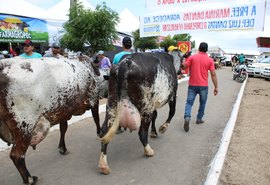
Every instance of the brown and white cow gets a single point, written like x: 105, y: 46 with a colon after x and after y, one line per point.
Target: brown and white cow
x: 140, y: 84
x: 36, y: 94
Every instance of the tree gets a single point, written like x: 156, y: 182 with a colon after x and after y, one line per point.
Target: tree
x: 172, y: 41
x: 144, y: 42
x: 167, y: 42
x: 95, y: 29
x: 184, y: 37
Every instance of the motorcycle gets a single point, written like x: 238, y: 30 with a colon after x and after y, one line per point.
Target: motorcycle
x: 240, y: 73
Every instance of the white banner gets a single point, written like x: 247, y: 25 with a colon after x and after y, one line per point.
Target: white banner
x: 183, y: 3
x: 249, y: 16
x: 56, y: 31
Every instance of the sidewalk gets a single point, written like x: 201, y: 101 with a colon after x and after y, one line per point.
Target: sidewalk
x: 247, y: 161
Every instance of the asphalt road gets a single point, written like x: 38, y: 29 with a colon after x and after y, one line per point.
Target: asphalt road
x: 180, y: 158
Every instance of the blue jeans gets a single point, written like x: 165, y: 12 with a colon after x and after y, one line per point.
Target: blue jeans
x: 192, y: 92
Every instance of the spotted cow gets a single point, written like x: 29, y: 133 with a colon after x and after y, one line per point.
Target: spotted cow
x: 36, y: 94
x: 138, y: 86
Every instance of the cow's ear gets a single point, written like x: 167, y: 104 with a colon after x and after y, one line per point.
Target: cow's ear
x: 106, y: 77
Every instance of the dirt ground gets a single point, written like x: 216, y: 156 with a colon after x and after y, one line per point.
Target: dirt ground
x: 248, y: 159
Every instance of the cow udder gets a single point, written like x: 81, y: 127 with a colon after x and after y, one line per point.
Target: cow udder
x: 129, y: 116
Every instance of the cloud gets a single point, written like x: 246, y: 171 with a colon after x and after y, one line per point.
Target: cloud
x: 44, y: 4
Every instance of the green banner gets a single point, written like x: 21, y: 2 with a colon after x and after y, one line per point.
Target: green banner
x: 18, y: 29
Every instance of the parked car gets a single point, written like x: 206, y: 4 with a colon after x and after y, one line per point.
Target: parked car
x: 227, y: 60
x: 256, y: 69
x: 263, y: 55
x: 266, y: 72
x: 249, y: 60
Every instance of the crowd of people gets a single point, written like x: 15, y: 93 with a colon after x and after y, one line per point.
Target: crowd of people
x: 28, y: 51
x: 102, y: 60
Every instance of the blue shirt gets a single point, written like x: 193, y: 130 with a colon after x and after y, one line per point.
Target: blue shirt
x: 241, y: 59
x: 118, y: 56
x: 34, y: 55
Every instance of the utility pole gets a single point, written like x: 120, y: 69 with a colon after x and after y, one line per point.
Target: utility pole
x: 72, y: 3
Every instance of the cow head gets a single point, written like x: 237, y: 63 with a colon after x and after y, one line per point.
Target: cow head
x: 177, y: 59
x: 89, y: 61
x: 103, y: 83
x: 101, y: 76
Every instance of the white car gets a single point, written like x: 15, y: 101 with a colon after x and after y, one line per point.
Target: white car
x: 266, y: 73
x: 256, y: 69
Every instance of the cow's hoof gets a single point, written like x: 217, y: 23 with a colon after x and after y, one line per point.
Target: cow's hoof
x: 62, y: 150
x: 35, y: 180
x: 153, y: 135
x: 103, y: 165
x: 148, y: 151
x: 32, y: 180
x: 105, y: 170
x: 163, y: 128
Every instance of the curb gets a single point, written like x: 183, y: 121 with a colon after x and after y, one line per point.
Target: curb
x: 218, y: 161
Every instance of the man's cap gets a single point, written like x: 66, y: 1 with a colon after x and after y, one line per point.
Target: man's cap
x: 100, y: 52
x: 28, y: 43
x: 171, y: 48
x: 127, y: 41
x: 56, y: 45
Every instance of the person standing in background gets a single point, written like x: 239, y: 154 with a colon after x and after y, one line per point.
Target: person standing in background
x: 241, y: 59
x: 28, y: 48
x: 126, y: 45
x: 55, y: 51
x: 104, y: 62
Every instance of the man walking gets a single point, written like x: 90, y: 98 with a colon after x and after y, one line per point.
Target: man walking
x: 199, y: 66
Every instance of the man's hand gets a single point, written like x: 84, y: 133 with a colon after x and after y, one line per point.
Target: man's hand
x: 215, y: 91
x: 183, y: 66
x: 215, y: 82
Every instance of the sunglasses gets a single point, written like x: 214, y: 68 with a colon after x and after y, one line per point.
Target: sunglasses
x: 56, y: 47
x: 26, y: 45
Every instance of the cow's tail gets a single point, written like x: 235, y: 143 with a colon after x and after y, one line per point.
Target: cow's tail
x: 112, y: 130
x: 120, y: 81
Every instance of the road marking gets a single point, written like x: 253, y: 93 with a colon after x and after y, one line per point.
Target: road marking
x: 218, y: 161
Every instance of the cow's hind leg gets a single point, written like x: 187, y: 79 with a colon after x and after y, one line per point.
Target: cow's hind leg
x: 95, y: 114
x: 143, y: 133
x: 62, y: 145
x: 103, y: 164
x: 153, y: 133
x: 17, y: 155
x: 163, y: 128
